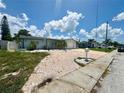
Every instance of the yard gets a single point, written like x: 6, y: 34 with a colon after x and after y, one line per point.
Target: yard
x: 15, y: 68
x: 103, y: 49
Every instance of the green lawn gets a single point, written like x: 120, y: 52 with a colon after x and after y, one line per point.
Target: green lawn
x: 20, y: 62
x: 103, y: 49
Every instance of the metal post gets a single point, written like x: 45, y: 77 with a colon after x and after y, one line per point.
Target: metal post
x: 97, y: 14
x: 86, y: 57
x: 86, y: 50
x: 106, y: 35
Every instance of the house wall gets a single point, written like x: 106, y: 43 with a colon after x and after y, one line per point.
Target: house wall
x: 71, y: 44
x: 51, y: 44
x: 45, y: 43
x: 3, y: 44
x: 40, y: 44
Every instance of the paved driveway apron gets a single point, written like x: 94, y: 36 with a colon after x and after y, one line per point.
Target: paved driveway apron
x: 114, y: 82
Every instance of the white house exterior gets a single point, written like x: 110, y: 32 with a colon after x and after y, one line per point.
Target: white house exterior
x: 71, y: 43
x: 44, y: 43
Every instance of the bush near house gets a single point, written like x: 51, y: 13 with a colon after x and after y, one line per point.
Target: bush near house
x: 15, y: 68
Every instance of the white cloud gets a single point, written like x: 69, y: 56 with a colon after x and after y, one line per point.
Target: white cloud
x: 119, y: 17
x: 2, y: 5
x: 25, y: 17
x: 21, y: 22
x: 67, y: 24
x: 113, y: 33
x: 34, y: 31
x: 60, y: 37
x: 84, y: 33
x: 16, y: 23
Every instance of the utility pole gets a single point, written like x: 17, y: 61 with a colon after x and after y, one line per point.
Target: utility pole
x: 106, y: 38
x: 1, y: 31
x: 97, y: 14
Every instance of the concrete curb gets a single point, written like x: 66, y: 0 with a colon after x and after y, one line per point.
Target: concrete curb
x: 82, y: 80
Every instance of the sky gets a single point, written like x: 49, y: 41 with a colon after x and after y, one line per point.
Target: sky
x: 63, y: 19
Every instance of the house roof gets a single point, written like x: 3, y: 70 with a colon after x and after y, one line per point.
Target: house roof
x: 39, y: 38
x: 30, y: 37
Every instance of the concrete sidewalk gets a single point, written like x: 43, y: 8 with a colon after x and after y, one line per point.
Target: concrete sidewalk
x: 114, y: 81
x: 82, y: 80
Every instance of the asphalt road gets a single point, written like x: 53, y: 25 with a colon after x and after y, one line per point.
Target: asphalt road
x: 114, y: 82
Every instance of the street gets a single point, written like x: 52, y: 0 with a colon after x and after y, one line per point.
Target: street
x: 114, y: 81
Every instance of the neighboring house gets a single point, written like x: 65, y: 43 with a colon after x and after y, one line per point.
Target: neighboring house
x: 83, y: 44
x: 102, y: 45
x: 44, y: 43
x: 92, y: 43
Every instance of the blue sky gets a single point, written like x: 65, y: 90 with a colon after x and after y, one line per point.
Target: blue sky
x: 39, y: 12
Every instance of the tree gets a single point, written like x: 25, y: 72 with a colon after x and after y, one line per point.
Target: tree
x: 5, y: 31
x: 22, y: 32
x: 111, y: 43
x: 116, y: 44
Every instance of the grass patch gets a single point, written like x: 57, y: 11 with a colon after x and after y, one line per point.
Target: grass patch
x: 103, y: 49
x: 15, y: 68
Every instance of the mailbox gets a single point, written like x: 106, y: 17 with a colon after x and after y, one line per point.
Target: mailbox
x: 87, y: 50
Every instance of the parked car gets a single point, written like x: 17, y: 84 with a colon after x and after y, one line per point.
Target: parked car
x: 121, y: 48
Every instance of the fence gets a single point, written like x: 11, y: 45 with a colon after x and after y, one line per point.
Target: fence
x: 8, y: 45
x: 3, y: 44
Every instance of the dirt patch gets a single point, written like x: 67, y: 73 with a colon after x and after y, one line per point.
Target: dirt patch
x: 94, y: 91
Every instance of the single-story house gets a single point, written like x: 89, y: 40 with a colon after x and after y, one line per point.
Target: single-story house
x: 44, y: 43
x: 91, y: 43
x: 83, y: 44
